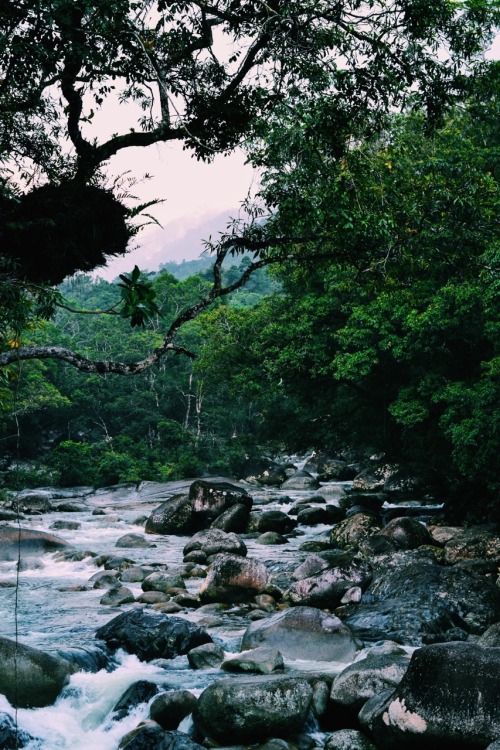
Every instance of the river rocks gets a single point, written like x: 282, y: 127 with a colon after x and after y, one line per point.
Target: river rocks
x: 448, y: 698
x: 207, y: 656
x: 184, y: 514
x: 210, y: 499
x: 231, y: 578
x: 264, y: 472
x: 326, y: 588
x: 349, y: 533
x: 11, y: 737
x: 213, y: 541
x: 152, y: 635
x: 301, y: 480
x: 270, y: 538
x: 472, y: 544
x: 164, y: 582
x: 370, y: 501
x: 303, y: 633
x: 335, y: 469
x: 414, y: 601
x: 173, y: 516
x: 139, y: 692
x: 27, y: 542
x: 233, y: 519
x: 132, y: 540
x: 407, y: 533
x: 271, y: 520
x: 313, y: 516
x: 246, y: 710
x: 261, y: 660
x: 169, y: 709
x: 348, y: 739
x: 490, y: 637
x: 367, y: 677
x: 40, y: 676
x: 114, y: 597
x: 148, y: 735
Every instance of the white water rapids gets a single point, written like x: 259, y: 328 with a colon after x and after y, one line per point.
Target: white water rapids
x: 55, y: 610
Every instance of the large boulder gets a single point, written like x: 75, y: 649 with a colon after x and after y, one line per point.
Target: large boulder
x: 326, y: 588
x: 214, y: 541
x: 448, y: 698
x: 210, y: 499
x: 173, y: 516
x: 304, y: 633
x: 30, y: 678
x: 152, y: 635
x: 232, y: 578
x: 360, y: 681
x: 414, y: 601
x: 15, y: 542
x: 250, y: 710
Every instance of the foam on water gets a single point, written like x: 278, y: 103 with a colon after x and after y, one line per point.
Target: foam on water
x: 81, y: 718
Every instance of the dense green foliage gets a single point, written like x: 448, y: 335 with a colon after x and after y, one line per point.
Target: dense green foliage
x: 389, y: 344
x: 369, y: 313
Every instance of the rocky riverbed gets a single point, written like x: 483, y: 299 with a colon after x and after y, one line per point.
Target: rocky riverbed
x: 323, y: 607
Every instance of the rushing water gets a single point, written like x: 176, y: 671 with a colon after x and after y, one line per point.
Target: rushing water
x: 54, y: 607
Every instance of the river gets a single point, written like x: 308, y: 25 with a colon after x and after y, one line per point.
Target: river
x: 54, y: 608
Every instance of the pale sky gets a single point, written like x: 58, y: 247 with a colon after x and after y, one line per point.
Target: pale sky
x: 192, y: 191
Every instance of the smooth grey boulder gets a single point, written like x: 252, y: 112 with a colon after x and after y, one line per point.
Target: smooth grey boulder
x: 210, y: 499
x: 303, y: 633
x: 207, y: 656
x: 132, y: 540
x: 232, y: 578
x: 114, y: 597
x: 249, y: 710
x: 152, y: 635
x: 169, y: 709
x: 173, y: 516
x: 28, y: 543
x: 326, y: 589
x: 301, y: 480
x: 263, y: 660
x: 367, y: 677
x: 448, y: 698
x: 214, y: 541
x: 40, y: 676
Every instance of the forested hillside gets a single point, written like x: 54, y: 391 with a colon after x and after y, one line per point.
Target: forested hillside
x: 388, y: 344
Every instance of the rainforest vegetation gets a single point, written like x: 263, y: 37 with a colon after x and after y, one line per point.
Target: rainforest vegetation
x: 357, y: 308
